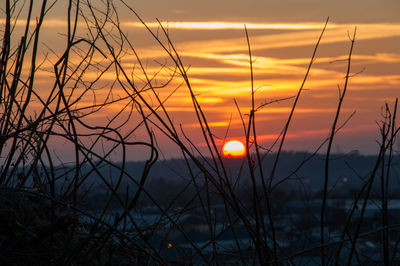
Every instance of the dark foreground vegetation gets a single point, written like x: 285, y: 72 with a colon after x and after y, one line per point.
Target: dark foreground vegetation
x: 269, y: 208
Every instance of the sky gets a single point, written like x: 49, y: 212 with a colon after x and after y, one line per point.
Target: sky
x: 210, y: 38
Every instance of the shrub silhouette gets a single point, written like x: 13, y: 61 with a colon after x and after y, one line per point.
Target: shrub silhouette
x: 43, y: 214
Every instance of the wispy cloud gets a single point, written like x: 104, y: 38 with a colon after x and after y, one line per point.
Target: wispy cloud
x: 337, y: 33
x: 190, y: 25
x: 210, y: 124
x: 224, y: 25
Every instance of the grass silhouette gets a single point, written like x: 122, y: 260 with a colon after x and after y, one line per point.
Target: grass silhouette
x: 43, y: 218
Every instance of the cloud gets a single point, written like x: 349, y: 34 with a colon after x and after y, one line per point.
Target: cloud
x: 224, y: 25
x: 335, y: 33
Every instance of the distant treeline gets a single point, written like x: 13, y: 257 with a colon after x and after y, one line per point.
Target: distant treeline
x: 169, y: 180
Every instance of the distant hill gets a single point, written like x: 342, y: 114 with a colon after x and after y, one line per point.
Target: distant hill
x: 347, y: 172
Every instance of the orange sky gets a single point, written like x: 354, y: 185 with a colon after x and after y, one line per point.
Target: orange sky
x: 210, y: 37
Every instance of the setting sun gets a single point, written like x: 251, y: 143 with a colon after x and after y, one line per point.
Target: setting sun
x: 233, y: 148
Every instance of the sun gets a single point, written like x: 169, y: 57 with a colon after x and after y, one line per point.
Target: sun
x: 233, y: 148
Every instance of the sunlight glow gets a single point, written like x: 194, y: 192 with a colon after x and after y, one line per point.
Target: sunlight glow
x: 233, y: 148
